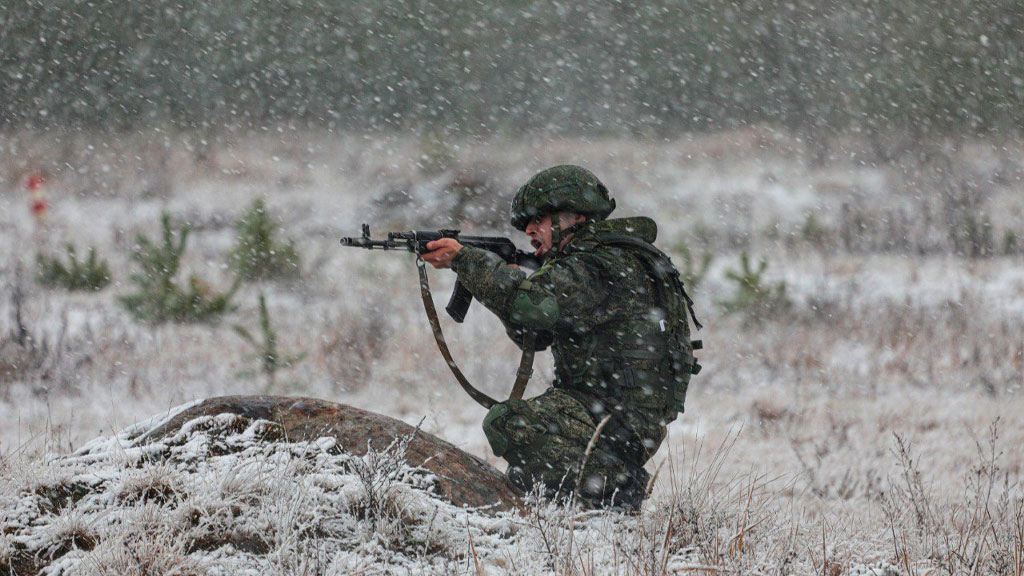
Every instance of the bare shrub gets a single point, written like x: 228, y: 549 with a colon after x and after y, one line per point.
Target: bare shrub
x: 553, y: 524
x: 977, y: 533
x: 384, y: 475
x: 47, y: 362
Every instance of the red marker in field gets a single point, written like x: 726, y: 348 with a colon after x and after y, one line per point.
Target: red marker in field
x: 34, y: 185
x: 35, y: 182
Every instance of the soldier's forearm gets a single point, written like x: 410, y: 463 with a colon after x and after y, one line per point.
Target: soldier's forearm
x: 488, y: 278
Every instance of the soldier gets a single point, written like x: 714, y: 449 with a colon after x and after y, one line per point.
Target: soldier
x: 613, y: 310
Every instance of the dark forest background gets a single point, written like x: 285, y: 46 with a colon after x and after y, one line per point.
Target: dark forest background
x: 816, y: 67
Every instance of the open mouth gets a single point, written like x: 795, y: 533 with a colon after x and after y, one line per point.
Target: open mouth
x: 536, y: 244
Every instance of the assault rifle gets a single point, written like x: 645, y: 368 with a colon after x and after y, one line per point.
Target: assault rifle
x: 416, y: 241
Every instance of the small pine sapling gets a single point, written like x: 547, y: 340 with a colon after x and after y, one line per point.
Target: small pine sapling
x: 157, y: 298
x: 92, y: 274
x: 814, y: 232
x: 257, y: 255
x: 752, y: 293
x: 270, y: 360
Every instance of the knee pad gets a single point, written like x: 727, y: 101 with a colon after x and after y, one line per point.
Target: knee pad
x: 511, y: 425
x: 495, y: 430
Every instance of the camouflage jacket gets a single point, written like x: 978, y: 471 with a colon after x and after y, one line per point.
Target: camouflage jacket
x: 615, y: 347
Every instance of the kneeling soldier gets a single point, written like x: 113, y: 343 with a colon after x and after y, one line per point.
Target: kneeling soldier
x: 613, y: 310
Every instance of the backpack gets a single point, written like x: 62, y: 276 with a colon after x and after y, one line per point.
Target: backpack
x: 676, y: 304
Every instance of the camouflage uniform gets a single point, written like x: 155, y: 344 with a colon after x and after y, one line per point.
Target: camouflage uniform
x: 615, y: 316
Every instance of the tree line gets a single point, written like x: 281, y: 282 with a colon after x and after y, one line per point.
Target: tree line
x: 590, y: 67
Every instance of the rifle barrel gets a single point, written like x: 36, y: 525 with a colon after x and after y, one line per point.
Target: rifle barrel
x: 369, y: 244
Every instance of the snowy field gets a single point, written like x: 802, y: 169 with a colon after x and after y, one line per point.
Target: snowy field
x: 867, y: 423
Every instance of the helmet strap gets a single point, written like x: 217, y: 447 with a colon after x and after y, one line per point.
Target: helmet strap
x: 556, y: 234
x: 572, y: 229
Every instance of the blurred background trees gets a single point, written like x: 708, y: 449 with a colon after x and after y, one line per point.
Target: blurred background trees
x: 814, y: 67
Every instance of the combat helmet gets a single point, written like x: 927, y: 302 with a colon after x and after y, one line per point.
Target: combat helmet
x: 562, y: 188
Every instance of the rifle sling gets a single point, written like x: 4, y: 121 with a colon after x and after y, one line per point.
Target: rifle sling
x: 525, y: 367
x: 435, y: 325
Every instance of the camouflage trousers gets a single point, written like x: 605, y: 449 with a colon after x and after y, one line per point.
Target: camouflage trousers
x: 545, y: 439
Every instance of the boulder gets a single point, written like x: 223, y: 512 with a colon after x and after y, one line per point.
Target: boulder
x: 463, y: 479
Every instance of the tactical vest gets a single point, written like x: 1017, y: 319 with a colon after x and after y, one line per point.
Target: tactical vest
x: 644, y: 362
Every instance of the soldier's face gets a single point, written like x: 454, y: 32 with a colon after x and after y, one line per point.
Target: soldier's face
x: 539, y: 230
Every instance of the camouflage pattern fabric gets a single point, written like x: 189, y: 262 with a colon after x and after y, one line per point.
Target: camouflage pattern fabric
x: 598, y: 308
x: 544, y: 439
x: 569, y: 188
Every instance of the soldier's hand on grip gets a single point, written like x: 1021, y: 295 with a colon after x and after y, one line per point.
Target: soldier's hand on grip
x: 442, y: 252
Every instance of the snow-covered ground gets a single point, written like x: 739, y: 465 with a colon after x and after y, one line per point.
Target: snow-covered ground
x: 872, y: 424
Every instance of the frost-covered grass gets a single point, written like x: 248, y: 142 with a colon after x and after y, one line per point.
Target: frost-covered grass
x: 873, y: 423
x: 227, y: 495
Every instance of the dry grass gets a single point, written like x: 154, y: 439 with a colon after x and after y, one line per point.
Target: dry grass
x: 865, y: 409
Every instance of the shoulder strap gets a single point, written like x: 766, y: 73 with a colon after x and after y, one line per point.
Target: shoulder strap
x: 658, y: 264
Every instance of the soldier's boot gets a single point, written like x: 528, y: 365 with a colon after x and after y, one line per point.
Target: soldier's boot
x: 611, y: 482
x: 630, y: 495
